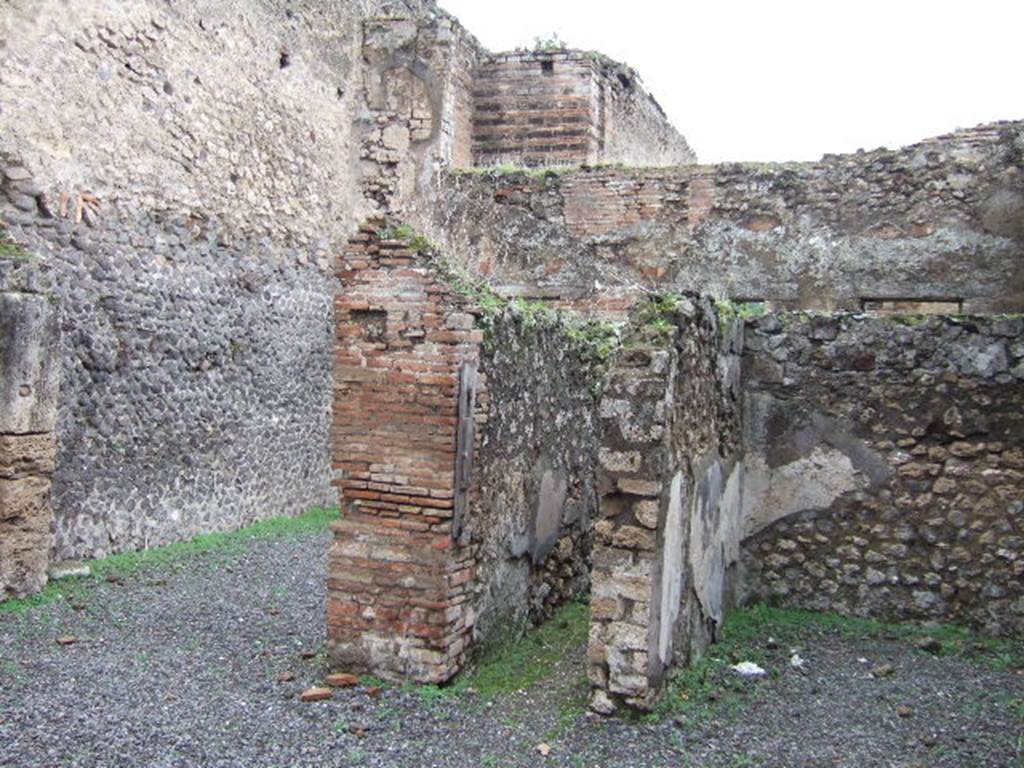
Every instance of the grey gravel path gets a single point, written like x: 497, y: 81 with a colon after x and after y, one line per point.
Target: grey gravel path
x: 180, y: 665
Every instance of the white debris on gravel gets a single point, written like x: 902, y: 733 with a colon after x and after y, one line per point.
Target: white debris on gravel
x: 747, y: 669
x: 796, y: 661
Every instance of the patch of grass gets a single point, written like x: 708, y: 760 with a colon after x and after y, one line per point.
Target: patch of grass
x: 11, y: 671
x: 552, y: 43
x: 730, y: 311
x: 594, y: 340
x: 520, y: 663
x: 654, y: 322
x: 783, y: 623
x: 121, y: 565
x: 515, y: 664
x: 706, y: 689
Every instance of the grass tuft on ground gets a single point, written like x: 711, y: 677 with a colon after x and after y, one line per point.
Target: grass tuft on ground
x: 521, y: 662
x: 118, y: 566
x: 510, y: 666
x: 706, y: 688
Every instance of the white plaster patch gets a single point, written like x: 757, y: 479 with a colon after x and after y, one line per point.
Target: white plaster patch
x: 812, y: 482
x: 715, y: 537
x: 671, y: 569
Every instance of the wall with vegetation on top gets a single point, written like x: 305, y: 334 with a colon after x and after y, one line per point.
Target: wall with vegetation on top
x: 670, y: 477
x: 938, y: 221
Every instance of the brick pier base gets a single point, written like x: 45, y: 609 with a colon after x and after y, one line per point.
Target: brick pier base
x: 398, y: 580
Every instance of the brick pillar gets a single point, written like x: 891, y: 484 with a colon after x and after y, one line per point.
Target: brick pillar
x: 29, y: 376
x: 398, y: 581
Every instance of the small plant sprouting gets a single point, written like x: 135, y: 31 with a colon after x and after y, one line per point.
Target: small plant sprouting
x: 10, y: 249
x: 552, y: 43
x: 729, y: 310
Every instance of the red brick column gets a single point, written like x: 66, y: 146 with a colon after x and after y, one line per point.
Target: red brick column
x: 398, y: 581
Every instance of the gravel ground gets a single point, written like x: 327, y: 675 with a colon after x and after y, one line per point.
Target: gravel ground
x: 182, y: 665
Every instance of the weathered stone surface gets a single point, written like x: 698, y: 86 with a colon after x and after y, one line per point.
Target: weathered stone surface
x: 26, y: 518
x: 29, y: 363
x: 895, y: 492
x: 659, y: 580
x: 834, y: 234
x: 22, y: 455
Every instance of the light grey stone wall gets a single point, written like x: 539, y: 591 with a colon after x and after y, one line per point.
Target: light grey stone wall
x: 669, y: 479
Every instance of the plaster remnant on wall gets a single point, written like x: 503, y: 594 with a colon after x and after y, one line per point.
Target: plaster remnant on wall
x: 671, y: 568
x: 811, y: 482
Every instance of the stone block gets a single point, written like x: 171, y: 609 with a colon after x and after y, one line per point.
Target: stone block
x: 25, y: 535
x: 27, y: 454
x: 29, y: 363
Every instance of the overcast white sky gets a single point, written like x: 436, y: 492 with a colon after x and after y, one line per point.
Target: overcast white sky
x: 791, y: 80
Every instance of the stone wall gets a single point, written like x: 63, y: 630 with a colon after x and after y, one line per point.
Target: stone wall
x: 533, y: 496
x: 185, y: 174
x: 935, y: 221
x: 885, y: 466
x: 634, y: 129
x: 29, y: 385
x: 466, y: 467
x: 413, y: 108
x: 561, y: 107
x: 669, y: 482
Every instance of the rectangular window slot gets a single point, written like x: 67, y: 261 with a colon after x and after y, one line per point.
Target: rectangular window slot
x: 905, y: 306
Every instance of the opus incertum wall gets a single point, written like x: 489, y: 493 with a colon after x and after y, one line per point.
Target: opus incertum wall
x: 885, y: 466
x: 937, y: 222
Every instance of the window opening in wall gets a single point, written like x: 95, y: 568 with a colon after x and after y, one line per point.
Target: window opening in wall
x: 547, y: 67
x: 918, y: 306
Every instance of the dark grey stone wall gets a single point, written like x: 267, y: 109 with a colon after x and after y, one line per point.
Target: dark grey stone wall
x: 196, y: 379
x: 885, y: 466
x: 533, y: 495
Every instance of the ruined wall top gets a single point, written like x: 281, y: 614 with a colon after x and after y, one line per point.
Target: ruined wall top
x: 937, y: 222
x: 568, y: 107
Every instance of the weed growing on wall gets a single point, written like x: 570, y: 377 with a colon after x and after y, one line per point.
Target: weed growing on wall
x: 732, y: 311
x: 654, y: 321
x: 550, y: 43
x: 594, y: 340
x: 10, y: 249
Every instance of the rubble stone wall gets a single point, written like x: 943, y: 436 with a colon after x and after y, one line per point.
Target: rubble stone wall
x: 533, y: 484
x: 937, y: 221
x: 185, y: 174
x: 885, y: 466
x: 669, y: 482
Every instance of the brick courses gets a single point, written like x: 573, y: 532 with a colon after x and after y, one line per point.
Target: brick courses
x: 398, y: 581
